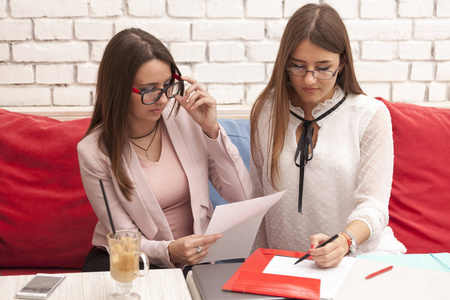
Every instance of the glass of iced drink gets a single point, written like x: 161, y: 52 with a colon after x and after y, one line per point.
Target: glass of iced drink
x: 124, y: 257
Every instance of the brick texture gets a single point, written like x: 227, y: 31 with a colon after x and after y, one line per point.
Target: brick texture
x: 50, y: 49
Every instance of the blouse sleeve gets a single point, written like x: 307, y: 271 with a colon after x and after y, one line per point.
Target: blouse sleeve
x: 257, y: 167
x: 374, y: 177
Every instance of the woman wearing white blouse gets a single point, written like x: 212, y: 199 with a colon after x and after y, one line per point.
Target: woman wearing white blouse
x: 315, y: 134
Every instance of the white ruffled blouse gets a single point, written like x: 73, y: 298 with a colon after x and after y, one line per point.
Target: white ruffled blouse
x: 348, y: 178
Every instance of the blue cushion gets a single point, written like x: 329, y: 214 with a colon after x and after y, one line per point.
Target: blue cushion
x: 238, y: 131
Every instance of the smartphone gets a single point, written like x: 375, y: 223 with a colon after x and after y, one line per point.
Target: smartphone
x: 40, y: 286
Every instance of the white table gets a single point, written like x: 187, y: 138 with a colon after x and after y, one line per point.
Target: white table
x: 398, y: 284
x: 157, y: 284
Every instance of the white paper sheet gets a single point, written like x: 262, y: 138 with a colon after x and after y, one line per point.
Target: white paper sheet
x: 238, y: 223
x: 330, y: 279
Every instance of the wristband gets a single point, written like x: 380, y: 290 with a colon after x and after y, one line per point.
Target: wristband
x: 353, y: 243
x: 349, y: 241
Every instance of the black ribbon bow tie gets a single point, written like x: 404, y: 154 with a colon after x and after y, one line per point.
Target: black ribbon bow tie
x: 305, y: 147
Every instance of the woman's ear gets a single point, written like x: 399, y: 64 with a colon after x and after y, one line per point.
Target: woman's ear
x: 342, y: 63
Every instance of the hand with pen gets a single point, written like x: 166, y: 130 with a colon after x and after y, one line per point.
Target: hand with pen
x: 329, y: 255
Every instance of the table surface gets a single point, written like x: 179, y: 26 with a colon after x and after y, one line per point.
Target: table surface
x: 157, y: 284
x: 400, y: 283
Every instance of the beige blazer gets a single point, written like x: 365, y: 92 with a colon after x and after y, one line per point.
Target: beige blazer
x: 202, y: 159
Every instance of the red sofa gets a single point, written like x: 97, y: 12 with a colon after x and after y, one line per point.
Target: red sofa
x: 419, y: 207
x: 46, y: 221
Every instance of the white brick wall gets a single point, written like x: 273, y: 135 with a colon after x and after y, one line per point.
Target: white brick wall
x: 4, y: 52
x: 2, y: 8
x: 422, y: 71
x: 53, y: 29
x: 188, y: 52
x: 415, y: 50
x: 50, y: 49
x: 213, y: 30
x: 93, y: 30
x: 409, y: 92
x: 225, y: 9
x: 15, y: 30
x: 416, y: 8
x: 443, y: 8
x: 182, y: 8
x: 73, y: 95
x: 226, y: 51
x: 378, y: 9
x: 150, y: 8
x: 442, y: 50
x: 264, y: 8
x: 50, y: 8
x: 16, y: 74
x: 54, y: 74
x: 87, y: 73
x: 50, y: 52
x: 106, y: 8
x: 25, y: 96
x: 378, y: 50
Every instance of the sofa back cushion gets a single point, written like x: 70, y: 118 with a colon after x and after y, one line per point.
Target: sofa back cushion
x: 45, y: 217
x: 238, y: 130
x: 419, y: 207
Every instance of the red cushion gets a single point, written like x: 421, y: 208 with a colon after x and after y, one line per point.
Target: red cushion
x: 419, y: 207
x: 45, y: 217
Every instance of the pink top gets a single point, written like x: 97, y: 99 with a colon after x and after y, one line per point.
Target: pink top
x: 169, y: 184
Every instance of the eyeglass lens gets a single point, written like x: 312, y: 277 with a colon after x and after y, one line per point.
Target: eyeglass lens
x: 151, y: 96
x: 319, y: 74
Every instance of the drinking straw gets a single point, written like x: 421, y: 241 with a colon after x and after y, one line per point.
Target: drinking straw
x: 107, y: 207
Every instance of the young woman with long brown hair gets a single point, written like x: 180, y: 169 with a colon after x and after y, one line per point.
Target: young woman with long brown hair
x: 155, y: 146
x: 315, y: 134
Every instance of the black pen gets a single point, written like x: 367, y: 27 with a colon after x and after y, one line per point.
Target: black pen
x: 321, y: 245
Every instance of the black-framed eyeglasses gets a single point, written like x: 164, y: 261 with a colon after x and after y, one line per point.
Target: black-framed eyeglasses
x: 300, y: 71
x: 153, y: 95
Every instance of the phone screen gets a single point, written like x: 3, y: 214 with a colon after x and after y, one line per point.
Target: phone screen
x: 40, y: 286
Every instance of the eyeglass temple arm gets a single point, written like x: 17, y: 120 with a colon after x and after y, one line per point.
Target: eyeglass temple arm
x: 136, y: 91
x: 175, y: 75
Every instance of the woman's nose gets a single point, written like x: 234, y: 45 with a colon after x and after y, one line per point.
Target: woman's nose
x: 309, y: 78
x: 163, y: 98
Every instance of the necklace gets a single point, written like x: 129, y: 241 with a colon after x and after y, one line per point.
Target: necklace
x: 151, y: 142
x: 305, y: 146
x: 147, y: 134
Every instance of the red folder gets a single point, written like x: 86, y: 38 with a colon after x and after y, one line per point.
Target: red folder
x: 249, y: 278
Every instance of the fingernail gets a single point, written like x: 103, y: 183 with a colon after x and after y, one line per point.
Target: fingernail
x: 309, y: 252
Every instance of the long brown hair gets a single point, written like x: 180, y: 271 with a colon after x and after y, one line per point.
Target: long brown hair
x: 322, y: 25
x: 123, y: 56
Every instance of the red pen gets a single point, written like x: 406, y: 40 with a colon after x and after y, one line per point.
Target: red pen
x: 379, y: 272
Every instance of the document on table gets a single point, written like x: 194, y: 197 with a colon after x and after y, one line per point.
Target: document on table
x: 238, y: 223
x: 330, y: 279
